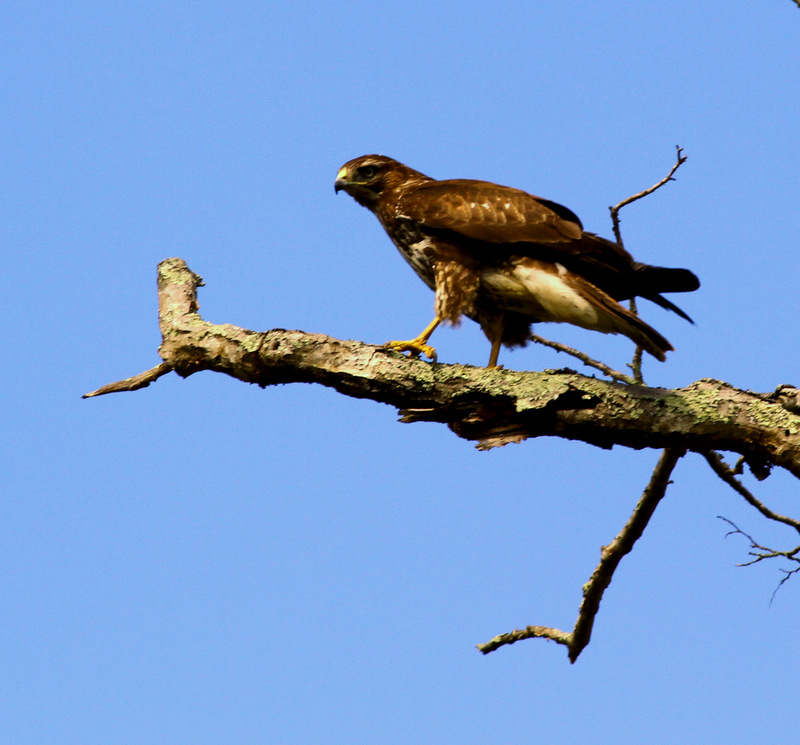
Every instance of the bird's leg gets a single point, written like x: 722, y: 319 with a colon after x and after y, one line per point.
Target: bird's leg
x: 495, y: 352
x: 418, y: 346
x: 493, y: 328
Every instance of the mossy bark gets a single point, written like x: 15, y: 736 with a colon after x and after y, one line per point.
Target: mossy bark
x: 493, y: 407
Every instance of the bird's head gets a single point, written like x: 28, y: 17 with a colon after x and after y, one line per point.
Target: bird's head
x: 367, y: 177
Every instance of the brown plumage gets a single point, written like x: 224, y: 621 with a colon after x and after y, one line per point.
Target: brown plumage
x: 507, y: 259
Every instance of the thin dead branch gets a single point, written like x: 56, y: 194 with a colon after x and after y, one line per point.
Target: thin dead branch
x: 760, y: 553
x: 669, y: 177
x: 585, y: 358
x: 142, y: 380
x: 636, y: 363
x: 611, y: 555
x: 727, y: 474
x: 757, y: 551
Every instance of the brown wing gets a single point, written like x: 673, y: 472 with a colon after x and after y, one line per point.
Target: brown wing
x: 488, y: 212
x: 523, y: 224
x: 500, y: 221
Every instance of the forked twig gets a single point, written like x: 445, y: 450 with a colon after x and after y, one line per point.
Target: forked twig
x: 593, y: 590
x: 757, y: 551
x: 615, y: 210
x: 636, y: 363
x: 760, y: 553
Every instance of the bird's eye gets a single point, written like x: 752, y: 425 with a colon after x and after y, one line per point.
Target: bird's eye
x: 367, y: 172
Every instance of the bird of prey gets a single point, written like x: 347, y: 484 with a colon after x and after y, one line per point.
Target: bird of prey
x: 506, y: 258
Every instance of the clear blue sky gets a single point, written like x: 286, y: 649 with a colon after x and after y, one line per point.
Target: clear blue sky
x: 204, y: 562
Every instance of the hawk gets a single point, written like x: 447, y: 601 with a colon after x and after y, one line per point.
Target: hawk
x: 507, y: 259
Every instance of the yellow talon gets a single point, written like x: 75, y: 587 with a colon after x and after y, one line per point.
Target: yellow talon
x: 414, y: 347
x: 418, y: 346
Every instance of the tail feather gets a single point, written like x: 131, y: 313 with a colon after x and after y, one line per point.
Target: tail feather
x: 651, y: 281
x: 616, y: 319
x: 658, y: 279
x: 668, y: 305
x: 643, y: 335
x: 609, y: 266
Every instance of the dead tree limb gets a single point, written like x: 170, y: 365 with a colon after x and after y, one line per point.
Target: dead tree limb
x: 611, y: 555
x: 496, y: 406
x: 492, y: 407
x: 134, y: 383
x: 758, y: 551
x: 726, y: 473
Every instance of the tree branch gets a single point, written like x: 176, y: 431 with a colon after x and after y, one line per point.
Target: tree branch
x: 760, y: 553
x: 615, y: 210
x: 722, y: 470
x: 585, y: 358
x: 142, y: 380
x: 636, y: 363
x: 620, y: 546
x: 611, y: 556
x: 492, y: 407
x: 498, y: 406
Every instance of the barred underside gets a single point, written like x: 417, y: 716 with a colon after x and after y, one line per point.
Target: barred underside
x: 456, y: 290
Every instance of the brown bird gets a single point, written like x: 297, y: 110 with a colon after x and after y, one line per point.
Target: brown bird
x: 507, y: 259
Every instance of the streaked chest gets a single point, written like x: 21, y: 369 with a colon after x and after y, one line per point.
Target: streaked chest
x: 415, y: 247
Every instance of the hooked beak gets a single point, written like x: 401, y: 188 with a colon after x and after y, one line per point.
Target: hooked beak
x: 341, y: 180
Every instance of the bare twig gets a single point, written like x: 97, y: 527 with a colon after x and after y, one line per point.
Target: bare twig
x: 142, y: 380
x: 724, y: 471
x: 636, y: 362
x: 529, y: 632
x: 757, y: 551
x: 612, y: 554
x: 615, y: 210
x: 605, y: 369
x: 760, y: 553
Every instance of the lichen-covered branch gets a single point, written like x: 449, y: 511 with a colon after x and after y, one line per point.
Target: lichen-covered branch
x: 492, y: 407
